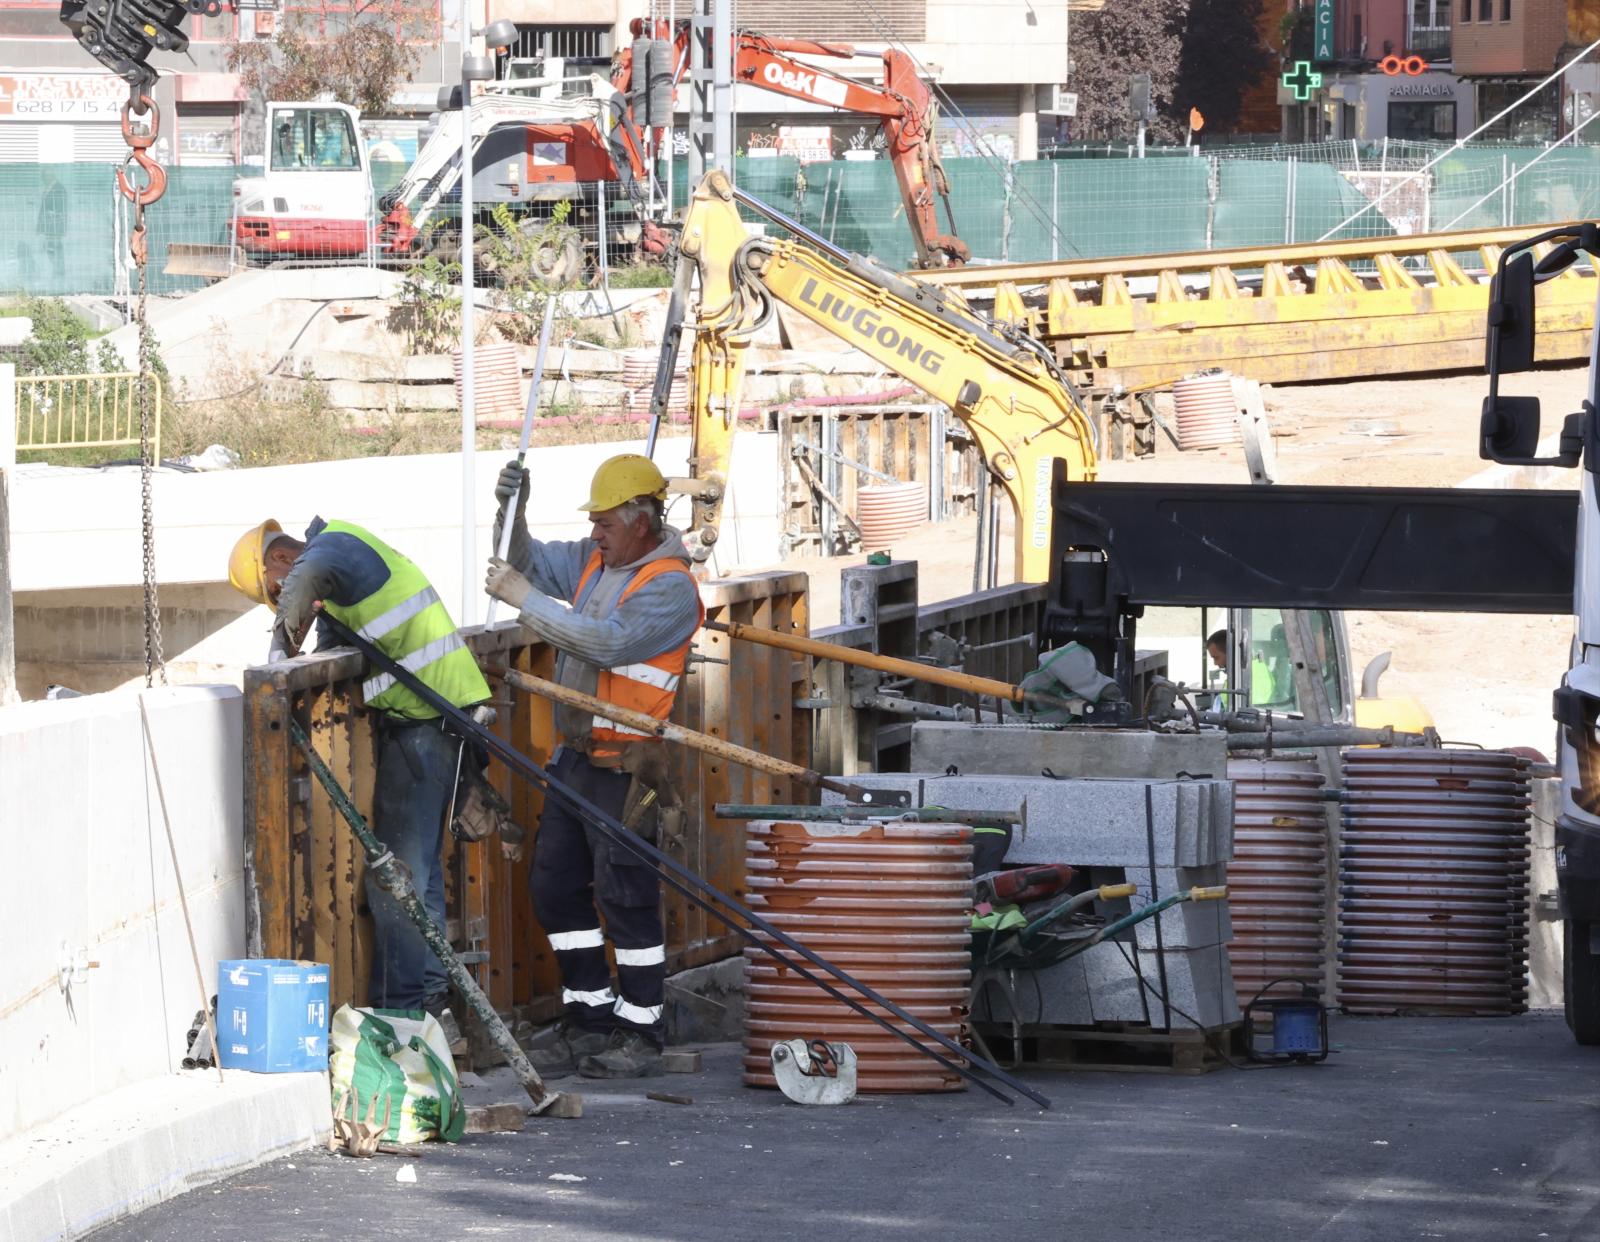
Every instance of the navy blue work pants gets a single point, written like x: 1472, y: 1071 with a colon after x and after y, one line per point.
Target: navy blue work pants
x: 576, y: 869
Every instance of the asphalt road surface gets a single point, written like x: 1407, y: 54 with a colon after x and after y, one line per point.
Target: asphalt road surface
x: 1413, y: 1128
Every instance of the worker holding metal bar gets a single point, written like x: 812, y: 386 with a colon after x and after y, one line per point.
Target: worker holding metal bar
x: 621, y: 608
x: 352, y: 575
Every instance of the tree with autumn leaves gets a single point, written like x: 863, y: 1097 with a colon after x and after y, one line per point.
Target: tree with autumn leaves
x: 1203, y: 54
x: 357, y: 53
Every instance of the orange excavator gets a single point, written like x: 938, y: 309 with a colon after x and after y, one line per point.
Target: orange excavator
x: 901, y: 100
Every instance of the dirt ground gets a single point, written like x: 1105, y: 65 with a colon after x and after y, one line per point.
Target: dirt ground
x: 1486, y: 679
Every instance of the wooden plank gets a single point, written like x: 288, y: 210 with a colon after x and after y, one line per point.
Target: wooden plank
x: 363, y: 785
x: 267, y: 777
x: 320, y: 902
x: 535, y: 974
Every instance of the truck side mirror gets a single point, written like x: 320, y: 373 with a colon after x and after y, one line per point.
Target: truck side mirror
x: 1508, y: 346
x: 1509, y: 429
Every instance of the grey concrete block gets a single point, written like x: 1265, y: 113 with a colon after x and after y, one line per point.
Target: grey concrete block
x: 978, y: 750
x: 1198, y: 988
x: 1088, y: 822
x: 1062, y: 994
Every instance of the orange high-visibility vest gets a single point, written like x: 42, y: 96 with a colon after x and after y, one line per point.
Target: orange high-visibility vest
x: 649, y: 686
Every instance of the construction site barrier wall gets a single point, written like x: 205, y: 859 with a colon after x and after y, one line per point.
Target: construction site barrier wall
x: 304, y: 868
x: 1031, y: 211
x: 992, y: 633
x: 97, y: 984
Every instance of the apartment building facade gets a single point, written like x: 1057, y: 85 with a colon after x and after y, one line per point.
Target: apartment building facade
x: 58, y: 105
x: 1388, y: 70
x: 1507, y: 48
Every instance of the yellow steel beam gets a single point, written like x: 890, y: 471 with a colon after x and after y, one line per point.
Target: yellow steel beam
x: 1244, y: 257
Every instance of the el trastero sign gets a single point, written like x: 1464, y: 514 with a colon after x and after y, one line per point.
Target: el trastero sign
x: 1322, y: 31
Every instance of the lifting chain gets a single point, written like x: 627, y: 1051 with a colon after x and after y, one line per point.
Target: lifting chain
x: 139, y: 143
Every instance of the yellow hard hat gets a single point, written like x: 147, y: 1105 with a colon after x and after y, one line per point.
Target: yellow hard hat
x: 624, y: 478
x: 247, y: 565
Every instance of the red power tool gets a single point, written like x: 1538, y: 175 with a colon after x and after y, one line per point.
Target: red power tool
x: 1020, y: 885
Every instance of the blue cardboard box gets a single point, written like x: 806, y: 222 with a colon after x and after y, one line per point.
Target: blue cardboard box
x: 272, y: 1015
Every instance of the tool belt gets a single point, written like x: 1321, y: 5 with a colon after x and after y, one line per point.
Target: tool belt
x: 651, y: 790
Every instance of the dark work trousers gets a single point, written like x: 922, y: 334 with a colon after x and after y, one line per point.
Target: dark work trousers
x: 416, y: 772
x: 574, y: 870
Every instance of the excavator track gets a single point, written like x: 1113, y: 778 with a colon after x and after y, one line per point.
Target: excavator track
x: 1277, y: 314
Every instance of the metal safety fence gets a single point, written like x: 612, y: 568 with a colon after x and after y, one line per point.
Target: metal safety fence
x: 64, y: 228
x: 59, y: 412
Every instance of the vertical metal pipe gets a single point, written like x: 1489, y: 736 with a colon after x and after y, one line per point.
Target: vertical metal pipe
x: 1055, y: 210
x: 469, y: 486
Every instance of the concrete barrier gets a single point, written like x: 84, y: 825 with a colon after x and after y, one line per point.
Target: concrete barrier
x: 97, y: 987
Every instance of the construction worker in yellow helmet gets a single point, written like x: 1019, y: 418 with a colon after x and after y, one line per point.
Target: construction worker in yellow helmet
x: 621, y: 608
x: 346, y: 572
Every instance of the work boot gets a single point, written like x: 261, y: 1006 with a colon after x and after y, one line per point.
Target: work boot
x: 439, y: 1007
x: 556, y: 1050
x: 628, y: 1054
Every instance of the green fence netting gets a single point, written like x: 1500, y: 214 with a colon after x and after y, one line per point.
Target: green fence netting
x: 63, y: 228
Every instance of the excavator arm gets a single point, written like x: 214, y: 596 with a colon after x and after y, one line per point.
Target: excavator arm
x: 1004, y: 386
x: 901, y: 101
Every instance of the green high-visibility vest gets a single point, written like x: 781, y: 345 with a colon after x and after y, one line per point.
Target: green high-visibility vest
x: 406, y: 620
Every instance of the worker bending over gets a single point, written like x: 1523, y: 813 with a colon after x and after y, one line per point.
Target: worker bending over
x: 621, y: 608
x: 355, y: 577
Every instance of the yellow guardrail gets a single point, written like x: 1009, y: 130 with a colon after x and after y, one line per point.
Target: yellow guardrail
x: 84, y: 411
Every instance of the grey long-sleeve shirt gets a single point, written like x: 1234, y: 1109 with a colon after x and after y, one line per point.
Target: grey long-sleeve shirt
x: 601, y: 633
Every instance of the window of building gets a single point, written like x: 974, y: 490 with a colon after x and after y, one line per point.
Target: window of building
x: 1535, y: 121
x: 1505, y: 10
x: 1423, y: 121
x: 583, y: 49
x: 1428, y: 33
x: 1485, y: 10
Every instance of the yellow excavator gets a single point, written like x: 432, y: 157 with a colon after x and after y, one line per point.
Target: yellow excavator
x: 1004, y: 385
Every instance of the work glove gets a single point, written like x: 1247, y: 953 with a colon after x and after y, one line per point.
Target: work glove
x: 513, y: 481
x: 506, y: 584
x: 292, y: 627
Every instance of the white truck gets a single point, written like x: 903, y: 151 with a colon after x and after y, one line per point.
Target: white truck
x: 314, y: 198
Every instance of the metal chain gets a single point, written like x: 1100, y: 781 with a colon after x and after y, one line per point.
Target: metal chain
x: 154, y: 660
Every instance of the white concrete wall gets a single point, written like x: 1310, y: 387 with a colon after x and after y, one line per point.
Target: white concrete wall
x: 89, y: 873
x: 78, y: 530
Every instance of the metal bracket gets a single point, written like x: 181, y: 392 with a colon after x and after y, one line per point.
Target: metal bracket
x: 807, y: 1078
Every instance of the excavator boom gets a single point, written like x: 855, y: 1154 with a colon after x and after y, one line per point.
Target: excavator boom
x: 1002, y: 385
x: 901, y: 100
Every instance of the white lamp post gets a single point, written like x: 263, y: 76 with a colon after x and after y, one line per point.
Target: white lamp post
x: 496, y: 35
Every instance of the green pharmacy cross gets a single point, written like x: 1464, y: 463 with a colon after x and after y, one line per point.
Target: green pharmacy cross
x: 1303, y: 80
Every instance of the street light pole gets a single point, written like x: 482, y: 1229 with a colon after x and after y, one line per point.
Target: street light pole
x: 497, y: 35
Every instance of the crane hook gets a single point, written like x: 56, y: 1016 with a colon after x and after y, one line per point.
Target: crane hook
x: 139, y: 153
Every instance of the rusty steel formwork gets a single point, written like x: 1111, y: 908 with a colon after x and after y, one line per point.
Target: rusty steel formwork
x: 304, y: 870
x: 1433, y: 882
x: 1278, y: 878
x: 888, y: 902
